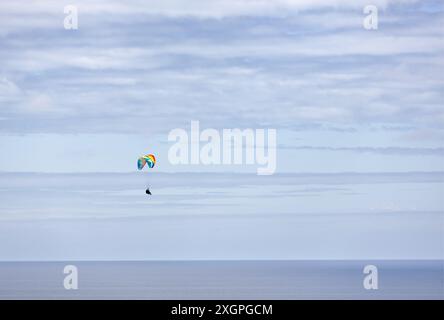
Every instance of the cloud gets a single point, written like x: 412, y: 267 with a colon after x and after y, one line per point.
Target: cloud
x: 193, y: 8
x: 106, y: 195
x: 7, y: 87
x: 378, y: 150
x: 135, y: 66
x: 38, y: 103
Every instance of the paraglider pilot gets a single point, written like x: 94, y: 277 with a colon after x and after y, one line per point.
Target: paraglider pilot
x: 150, y: 161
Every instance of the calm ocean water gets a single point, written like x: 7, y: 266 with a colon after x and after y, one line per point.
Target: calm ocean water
x: 223, y: 280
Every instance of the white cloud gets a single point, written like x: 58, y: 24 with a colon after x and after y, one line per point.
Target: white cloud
x: 130, y: 70
x: 202, y: 8
x: 38, y: 103
x: 8, y: 87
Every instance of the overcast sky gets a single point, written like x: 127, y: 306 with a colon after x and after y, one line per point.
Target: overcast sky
x: 342, y: 98
x: 365, y: 100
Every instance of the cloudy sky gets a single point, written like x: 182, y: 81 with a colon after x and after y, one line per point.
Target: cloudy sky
x: 363, y: 100
x: 359, y: 115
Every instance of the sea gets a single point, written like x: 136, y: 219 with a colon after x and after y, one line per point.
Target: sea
x: 298, y: 279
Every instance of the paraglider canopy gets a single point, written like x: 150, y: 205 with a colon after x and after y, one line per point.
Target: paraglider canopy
x: 148, y: 159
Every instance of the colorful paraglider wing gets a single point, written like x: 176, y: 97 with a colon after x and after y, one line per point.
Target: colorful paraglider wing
x: 141, y: 163
x: 151, y: 160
